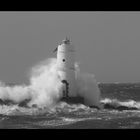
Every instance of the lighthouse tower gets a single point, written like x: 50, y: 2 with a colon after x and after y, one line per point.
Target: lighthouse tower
x: 66, y: 68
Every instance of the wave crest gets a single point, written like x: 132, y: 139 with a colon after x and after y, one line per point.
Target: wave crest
x: 120, y: 105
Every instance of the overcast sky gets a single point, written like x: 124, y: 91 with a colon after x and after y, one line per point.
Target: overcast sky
x: 107, y: 43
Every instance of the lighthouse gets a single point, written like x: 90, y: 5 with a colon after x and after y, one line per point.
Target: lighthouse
x: 66, y: 67
x: 77, y: 88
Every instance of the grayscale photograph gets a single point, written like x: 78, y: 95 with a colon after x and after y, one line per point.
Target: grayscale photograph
x: 69, y: 70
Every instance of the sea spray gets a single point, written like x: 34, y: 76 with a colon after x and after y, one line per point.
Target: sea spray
x: 45, y: 88
x: 46, y: 84
x: 16, y: 93
x: 87, y: 87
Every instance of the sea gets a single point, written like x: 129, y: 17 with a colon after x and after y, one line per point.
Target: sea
x: 121, y: 110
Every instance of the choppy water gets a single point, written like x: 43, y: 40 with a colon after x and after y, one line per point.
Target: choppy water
x: 121, y: 110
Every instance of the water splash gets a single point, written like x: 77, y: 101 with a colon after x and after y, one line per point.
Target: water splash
x: 45, y: 88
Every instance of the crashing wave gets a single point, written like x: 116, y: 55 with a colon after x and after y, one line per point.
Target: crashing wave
x: 120, y: 105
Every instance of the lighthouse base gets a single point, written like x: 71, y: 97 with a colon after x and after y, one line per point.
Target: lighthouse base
x: 73, y: 100
x: 76, y: 100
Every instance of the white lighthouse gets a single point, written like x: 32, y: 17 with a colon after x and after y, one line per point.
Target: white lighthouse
x: 66, y: 68
x: 77, y: 87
